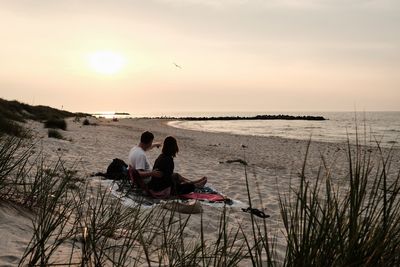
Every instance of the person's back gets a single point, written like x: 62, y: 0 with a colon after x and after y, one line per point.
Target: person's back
x: 164, y: 164
x: 137, y: 159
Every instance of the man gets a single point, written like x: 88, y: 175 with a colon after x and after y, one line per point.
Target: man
x: 137, y: 158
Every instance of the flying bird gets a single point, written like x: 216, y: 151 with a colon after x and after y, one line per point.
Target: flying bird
x: 176, y: 65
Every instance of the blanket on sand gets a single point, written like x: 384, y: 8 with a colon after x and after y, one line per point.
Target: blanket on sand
x: 135, y: 196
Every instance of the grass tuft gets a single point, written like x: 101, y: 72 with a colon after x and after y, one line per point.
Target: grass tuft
x: 357, y: 224
x: 53, y: 133
x: 11, y: 128
x: 86, y: 122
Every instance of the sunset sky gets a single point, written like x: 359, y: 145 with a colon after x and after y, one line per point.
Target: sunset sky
x: 235, y: 55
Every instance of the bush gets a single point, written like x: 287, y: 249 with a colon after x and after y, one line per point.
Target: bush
x: 11, y: 128
x: 52, y: 133
x: 56, y: 124
x: 86, y: 122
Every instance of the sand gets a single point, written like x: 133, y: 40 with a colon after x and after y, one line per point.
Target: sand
x: 273, y: 165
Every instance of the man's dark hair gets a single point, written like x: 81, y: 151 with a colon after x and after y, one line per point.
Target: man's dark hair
x: 147, y: 137
x: 170, y: 147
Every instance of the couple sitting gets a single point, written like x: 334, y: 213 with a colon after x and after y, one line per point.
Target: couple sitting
x: 161, y: 181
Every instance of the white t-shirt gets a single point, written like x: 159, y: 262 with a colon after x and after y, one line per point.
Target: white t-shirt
x: 137, y: 159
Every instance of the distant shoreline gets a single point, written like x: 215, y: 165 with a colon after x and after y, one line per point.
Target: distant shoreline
x: 257, y: 117
x: 110, y: 114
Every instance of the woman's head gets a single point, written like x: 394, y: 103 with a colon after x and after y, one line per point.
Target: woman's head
x: 170, y: 146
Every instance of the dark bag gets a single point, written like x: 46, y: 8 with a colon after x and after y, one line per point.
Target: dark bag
x: 117, y: 170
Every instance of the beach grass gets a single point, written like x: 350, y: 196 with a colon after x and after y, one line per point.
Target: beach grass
x: 85, y: 122
x: 53, y: 133
x: 327, y: 220
x: 356, y: 224
x: 11, y: 127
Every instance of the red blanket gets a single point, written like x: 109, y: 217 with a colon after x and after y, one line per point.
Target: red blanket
x: 203, y: 196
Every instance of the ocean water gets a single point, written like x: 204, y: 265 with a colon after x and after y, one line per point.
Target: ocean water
x: 382, y: 127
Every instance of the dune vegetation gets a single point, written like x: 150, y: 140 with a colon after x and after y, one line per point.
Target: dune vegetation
x: 14, y: 113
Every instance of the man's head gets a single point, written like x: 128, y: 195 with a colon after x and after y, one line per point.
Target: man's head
x: 146, y: 140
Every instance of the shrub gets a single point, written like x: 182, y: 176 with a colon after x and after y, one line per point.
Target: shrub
x: 86, y: 122
x: 54, y: 134
x: 56, y: 124
x: 11, y: 128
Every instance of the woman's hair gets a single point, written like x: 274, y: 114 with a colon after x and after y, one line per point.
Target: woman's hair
x: 170, y: 146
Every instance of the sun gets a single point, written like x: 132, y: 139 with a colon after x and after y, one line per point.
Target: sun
x: 106, y: 62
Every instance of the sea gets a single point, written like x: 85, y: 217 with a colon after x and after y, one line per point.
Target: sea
x: 371, y: 127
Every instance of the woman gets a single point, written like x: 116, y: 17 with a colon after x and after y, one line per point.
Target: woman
x: 169, y: 180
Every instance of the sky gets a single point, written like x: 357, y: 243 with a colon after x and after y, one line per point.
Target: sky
x: 232, y: 55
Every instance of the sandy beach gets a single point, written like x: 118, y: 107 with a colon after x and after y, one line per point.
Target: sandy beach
x: 273, y: 165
